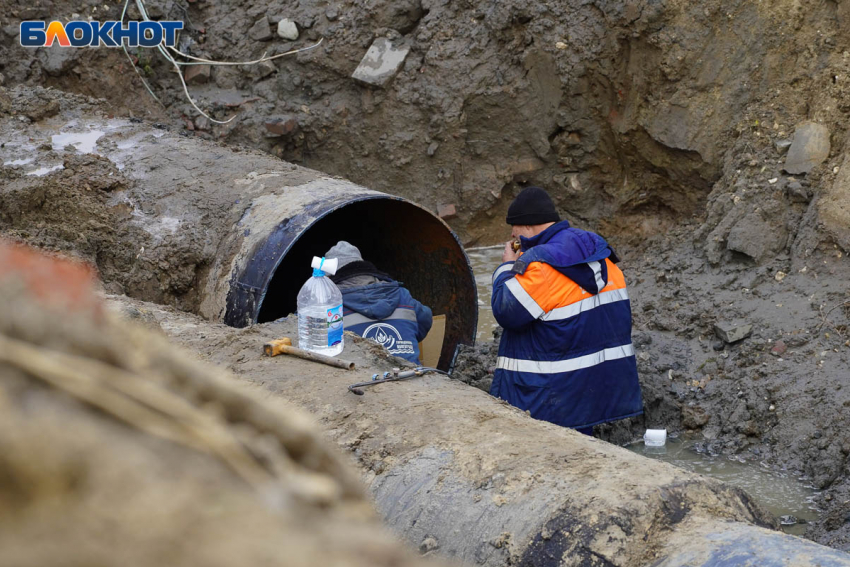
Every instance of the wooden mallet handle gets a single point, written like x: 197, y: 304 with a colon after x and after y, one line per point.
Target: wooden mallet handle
x: 284, y: 346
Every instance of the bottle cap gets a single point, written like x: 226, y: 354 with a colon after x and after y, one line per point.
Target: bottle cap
x: 322, y: 266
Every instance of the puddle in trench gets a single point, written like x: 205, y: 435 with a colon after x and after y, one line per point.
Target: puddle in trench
x: 45, y: 170
x: 783, y: 494
x: 484, y: 262
x: 84, y: 142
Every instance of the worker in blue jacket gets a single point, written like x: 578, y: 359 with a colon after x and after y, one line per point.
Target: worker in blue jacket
x: 566, y: 353
x: 377, y: 307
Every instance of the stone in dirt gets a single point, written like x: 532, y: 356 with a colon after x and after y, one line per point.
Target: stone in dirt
x: 694, y: 417
x: 779, y: 348
x: 197, y: 74
x: 732, y: 331
x: 797, y: 193
x: 381, y: 63
x: 287, y: 29
x: 810, y: 148
x: 754, y: 237
x: 447, y: 212
x: 261, y: 31
x: 58, y: 61
x: 782, y: 145
x: 260, y: 70
x: 282, y: 126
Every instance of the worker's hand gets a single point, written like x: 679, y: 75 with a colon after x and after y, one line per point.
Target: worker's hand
x: 509, y: 255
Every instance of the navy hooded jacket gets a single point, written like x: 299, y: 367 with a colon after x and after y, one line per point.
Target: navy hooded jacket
x: 566, y: 354
x: 386, y: 312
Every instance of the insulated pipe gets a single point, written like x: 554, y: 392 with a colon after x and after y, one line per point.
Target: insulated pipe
x: 461, y: 474
x: 399, y: 237
x: 716, y: 543
x: 229, y: 233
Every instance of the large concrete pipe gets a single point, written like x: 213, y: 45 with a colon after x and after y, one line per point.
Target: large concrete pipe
x: 716, y: 543
x: 459, y: 473
x: 225, y: 233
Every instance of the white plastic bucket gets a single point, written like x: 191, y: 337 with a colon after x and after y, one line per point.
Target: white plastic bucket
x: 655, y: 437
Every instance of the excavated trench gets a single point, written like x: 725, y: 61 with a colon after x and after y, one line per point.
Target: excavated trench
x: 634, y: 114
x: 212, y: 230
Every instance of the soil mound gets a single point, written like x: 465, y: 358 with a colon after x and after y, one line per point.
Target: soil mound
x: 118, y: 448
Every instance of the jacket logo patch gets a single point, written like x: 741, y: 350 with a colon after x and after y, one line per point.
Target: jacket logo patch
x: 388, y: 337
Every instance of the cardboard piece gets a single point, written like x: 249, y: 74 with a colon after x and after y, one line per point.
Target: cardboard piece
x: 432, y: 345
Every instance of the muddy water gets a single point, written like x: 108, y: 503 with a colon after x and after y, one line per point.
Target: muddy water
x: 782, y: 493
x: 484, y: 261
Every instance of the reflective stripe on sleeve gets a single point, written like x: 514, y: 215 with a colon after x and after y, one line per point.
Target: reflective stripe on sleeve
x: 597, y: 273
x: 604, y: 298
x: 569, y: 365
x: 399, y: 313
x: 501, y: 270
x: 524, y: 298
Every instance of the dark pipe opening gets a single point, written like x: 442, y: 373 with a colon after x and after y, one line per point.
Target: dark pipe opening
x: 400, y: 238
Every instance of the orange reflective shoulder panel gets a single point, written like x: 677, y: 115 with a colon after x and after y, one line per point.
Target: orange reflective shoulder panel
x: 550, y: 288
x: 616, y: 279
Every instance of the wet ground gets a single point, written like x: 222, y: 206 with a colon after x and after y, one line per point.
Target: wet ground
x: 783, y: 492
x: 484, y: 261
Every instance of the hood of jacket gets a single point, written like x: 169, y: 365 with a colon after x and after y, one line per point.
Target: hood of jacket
x: 578, y: 254
x: 376, y: 301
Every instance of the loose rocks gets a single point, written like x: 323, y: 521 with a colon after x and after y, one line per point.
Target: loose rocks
x: 810, y: 148
x: 261, y: 31
x: 287, y: 29
x: 381, y: 62
x: 732, y: 332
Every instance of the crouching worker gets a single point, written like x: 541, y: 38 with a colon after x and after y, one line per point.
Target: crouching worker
x: 566, y: 353
x: 377, y: 307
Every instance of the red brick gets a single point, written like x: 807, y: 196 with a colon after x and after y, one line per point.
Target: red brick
x: 447, y: 212
x: 197, y: 74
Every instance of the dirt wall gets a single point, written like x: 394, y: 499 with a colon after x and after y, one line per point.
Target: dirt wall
x: 629, y: 112
x: 163, y: 216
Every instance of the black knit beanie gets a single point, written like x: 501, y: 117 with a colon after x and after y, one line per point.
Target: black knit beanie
x: 532, y: 206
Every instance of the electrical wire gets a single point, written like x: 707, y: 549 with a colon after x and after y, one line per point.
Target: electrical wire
x: 140, y: 5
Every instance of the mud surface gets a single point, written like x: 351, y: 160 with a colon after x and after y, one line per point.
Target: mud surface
x: 118, y: 448
x: 777, y: 397
x: 663, y: 125
x: 437, y: 455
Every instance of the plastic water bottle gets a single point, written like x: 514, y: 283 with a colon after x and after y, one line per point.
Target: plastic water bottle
x: 320, y: 311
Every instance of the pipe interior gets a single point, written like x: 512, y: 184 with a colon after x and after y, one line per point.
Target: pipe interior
x: 401, y: 239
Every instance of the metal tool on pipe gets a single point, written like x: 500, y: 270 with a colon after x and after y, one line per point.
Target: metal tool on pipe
x: 393, y: 376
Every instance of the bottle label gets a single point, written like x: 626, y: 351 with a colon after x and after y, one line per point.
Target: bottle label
x: 335, y: 325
